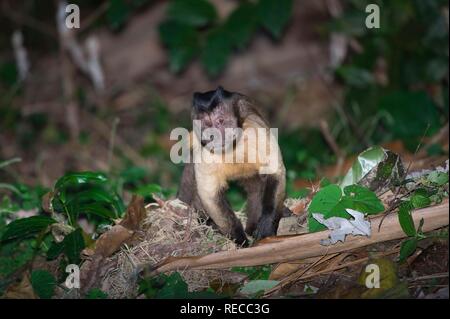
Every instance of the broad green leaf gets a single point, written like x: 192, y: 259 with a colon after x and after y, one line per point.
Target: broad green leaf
x: 43, y: 283
x: 73, y: 245
x: 55, y: 250
x: 420, y: 201
x: 92, y: 195
x: 174, y: 288
x: 95, y: 199
x: 197, y: 13
x: 76, y: 179
x: 96, y: 209
x: 405, y: 219
x: 323, y: 202
x: 216, y: 52
x: 362, y: 199
x: 255, y: 273
x: 254, y: 287
x: 181, y: 41
x: 241, y: 24
x: 407, y: 248
x: 274, y: 15
x: 438, y: 178
x: 24, y: 227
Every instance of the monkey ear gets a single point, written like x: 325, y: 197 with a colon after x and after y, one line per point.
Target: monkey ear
x: 245, y: 107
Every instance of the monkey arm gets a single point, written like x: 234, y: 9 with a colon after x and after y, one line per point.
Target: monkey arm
x: 212, y: 195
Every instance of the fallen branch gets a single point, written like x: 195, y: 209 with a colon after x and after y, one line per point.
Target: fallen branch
x: 293, y: 248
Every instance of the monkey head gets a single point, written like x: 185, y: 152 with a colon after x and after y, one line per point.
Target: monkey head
x: 215, y: 120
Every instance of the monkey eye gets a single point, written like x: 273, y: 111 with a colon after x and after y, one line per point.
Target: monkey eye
x: 220, y: 120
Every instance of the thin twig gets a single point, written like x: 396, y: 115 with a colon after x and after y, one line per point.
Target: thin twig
x: 427, y: 277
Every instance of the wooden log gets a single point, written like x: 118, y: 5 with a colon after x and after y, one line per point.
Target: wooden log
x: 287, y: 249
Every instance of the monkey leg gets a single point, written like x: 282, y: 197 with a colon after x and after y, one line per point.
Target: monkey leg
x: 254, y: 187
x: 187, y: 184
x: 272, y: 207
x: 219, y: 210
x: 186, y: 191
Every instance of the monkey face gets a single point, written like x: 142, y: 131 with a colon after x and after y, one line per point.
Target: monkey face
x: 215, y: 122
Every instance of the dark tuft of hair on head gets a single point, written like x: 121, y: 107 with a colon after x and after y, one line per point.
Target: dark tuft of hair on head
x: 206, y: 102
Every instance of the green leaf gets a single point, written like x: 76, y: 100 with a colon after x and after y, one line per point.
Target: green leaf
x: 96, y: 293
x: 241, y: 24
x: 274, y: 15
x: 73, y: 245
x: 43, y: 283
x: 197, y: 13
x: 216, y: 52
x: 254, y: 287
x: 94, y: 200
x: 420, y: 201
x: 254, y: 273
x: 79, y: 178
x: 181, y: 41
x: 174, y: 287
x: 323, y: 202
x: 24, y: 227
x: 55, y: 250
x: 405, y: 219
x: 407, y: 248
x: 96, y: 209
x: 438, y: 178
x: 362, y: 199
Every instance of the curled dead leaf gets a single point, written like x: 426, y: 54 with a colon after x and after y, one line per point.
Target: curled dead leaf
x: 135, y: 213
x: 110, y: 242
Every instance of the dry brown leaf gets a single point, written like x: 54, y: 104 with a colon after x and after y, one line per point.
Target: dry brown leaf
x: 285, y: 269
x: 47, y: 202
x: 135, y: 213
x: 159, y: 200
x: 110, y: 242
x: 21, y: 290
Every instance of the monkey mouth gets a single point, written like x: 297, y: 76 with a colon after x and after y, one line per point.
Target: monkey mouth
x: 218, y: 146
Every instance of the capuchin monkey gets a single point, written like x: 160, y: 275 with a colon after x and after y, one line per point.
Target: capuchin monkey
x: 204, y: 183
